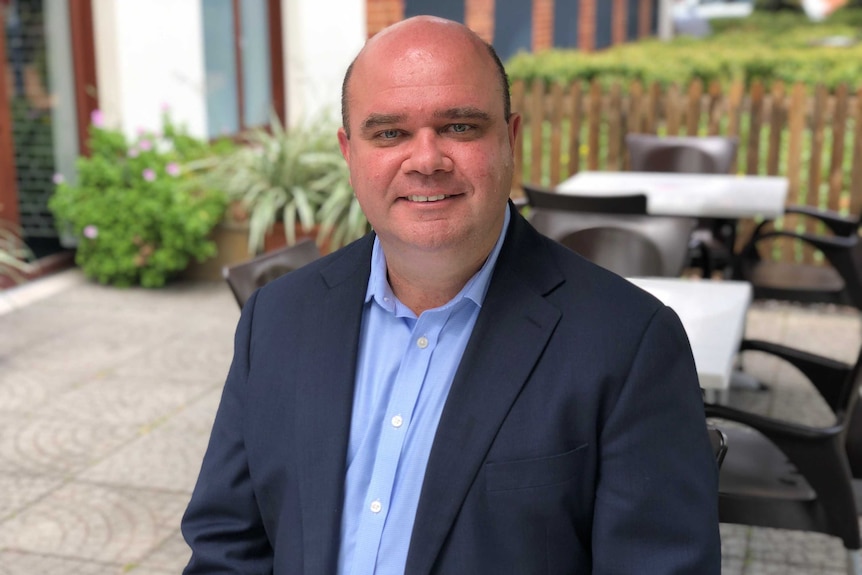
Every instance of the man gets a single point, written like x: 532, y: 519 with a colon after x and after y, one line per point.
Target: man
x: 455, y: 393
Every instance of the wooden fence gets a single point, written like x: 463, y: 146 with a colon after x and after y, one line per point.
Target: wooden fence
x: 810, y: 135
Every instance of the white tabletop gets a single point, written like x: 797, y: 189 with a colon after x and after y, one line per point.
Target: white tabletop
x: 713, y: 315
x: 700, y: 195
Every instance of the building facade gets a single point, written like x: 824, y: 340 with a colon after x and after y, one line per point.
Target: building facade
x: 219, y: 66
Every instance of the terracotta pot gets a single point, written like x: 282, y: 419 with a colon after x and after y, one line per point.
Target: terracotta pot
x: 276, y: 239
x: 231, y: 240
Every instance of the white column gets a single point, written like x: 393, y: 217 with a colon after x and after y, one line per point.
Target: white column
x: 320, y: 39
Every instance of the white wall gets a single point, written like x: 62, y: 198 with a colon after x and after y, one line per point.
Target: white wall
x: 149, y: 53
x: 321, y: 39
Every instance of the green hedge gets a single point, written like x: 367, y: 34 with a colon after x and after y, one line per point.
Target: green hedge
x: 767, y: 45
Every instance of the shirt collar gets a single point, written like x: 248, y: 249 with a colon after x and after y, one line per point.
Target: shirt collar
x: 474, y: 290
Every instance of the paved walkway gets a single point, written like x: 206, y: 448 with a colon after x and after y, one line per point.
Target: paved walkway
x: 107, y: 397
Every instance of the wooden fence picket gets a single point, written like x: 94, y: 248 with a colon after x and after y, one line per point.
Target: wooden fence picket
x: 777, y: 121
x: 856, y: 176
x: 839, y: 133
x: 692, y: 116
x: 595, y: 118
x: 575, y: 128
x: 557, y: 112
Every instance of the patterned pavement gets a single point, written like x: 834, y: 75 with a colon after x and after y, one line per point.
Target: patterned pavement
x: 107, y: 397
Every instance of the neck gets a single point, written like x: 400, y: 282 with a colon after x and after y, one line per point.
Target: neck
x: 427, y: 286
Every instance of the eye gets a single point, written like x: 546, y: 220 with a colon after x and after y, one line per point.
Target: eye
x: 459, y: 128
x: 389, y: 134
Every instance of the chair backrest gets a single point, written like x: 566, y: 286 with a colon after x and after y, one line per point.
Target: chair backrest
x: 544, y: 198
x: 718, y: 439
x: 682, y: 154
x: 624, y: 251
x: 245, y: 277
x: 613, y: 231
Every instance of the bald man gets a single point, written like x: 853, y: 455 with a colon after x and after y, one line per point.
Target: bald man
x: 453, y: 393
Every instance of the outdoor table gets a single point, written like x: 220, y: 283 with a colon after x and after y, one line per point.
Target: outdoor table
x: 713, y: 315
x: 698, y: 195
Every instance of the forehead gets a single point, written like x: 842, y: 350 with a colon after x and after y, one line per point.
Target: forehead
x: 414, y: 75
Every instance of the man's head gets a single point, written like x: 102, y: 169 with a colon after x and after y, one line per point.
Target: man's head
x: 429, y: 138
x: 503, y: 83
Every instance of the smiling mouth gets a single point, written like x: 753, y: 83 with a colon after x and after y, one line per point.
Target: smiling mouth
x: 436, y: 198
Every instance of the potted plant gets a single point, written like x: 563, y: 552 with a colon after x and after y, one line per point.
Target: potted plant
x: 292, y: 177
x: 140, y: 210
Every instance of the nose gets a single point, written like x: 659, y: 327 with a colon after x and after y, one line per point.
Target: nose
x: 426, y: 155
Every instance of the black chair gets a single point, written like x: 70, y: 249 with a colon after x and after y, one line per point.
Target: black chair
x: 718, y: 440
x: 840, y: 282
x: 612, y: 231
x: 713, y: 237
x: 784, y: 474
x: 245, y: 277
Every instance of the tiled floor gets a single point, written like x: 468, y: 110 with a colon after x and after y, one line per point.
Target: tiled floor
x: 107, y: 397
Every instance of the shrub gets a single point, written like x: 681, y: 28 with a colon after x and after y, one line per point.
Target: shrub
x: 139, y: 209
x: 768, y: 46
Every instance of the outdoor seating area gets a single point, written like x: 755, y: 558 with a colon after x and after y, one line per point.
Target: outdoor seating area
x: 713, y: 162
x: 101, y: 444
x: 778, y: 472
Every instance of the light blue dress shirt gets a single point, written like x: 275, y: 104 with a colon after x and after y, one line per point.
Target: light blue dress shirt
x: 405, y: 369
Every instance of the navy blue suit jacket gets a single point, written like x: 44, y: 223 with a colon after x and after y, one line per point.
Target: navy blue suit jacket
x: 573, y: 439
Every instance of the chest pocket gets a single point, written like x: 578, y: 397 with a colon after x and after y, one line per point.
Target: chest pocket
x: 538, y: 472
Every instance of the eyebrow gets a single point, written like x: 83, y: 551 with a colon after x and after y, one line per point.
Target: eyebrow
x: 376, y: 120
x: 466, y: 113
x: 461, y: 113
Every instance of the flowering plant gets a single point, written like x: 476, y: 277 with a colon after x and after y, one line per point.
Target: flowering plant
x: 140, y: 210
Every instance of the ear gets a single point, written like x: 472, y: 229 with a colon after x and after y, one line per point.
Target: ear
x: 514, y: 130
x: 344, y: 144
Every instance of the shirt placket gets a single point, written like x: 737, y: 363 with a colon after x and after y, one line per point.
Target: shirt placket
x: 397, y: 423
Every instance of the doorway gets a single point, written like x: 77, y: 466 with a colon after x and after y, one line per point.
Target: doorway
x: 40, y: 143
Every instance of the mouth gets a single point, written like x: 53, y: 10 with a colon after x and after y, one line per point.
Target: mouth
x: 420, y: 199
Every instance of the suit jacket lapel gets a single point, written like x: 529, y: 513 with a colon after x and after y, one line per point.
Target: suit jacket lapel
x: 324, y: 399
x: 506, y: 343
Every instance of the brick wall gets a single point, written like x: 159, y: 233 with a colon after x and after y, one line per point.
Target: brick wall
x: 543, y: 24
x: 479, y: 17
x: 618, y: 21
x: 381, y: 13
x: 644, y: 18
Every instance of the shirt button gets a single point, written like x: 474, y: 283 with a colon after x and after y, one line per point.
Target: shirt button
x: 422, y: 342
x: 376, y: 506
x: 397, y: 421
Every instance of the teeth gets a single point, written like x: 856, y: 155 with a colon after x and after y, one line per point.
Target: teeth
x: 427, y: 198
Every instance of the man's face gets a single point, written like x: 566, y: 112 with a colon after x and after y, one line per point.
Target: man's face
x: 430, y: 151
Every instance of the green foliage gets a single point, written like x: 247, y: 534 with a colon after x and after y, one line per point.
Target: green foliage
x: 782, y: 45
x: 140, y: 210
x: 290, y: 175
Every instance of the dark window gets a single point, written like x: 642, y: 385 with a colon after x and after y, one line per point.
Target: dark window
x: 244, y: 77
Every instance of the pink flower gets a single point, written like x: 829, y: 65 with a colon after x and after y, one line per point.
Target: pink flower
x: 58, y: 178
x: 97, y: 118
x: 166, y: 107
x: 145, y: 145
x: 91, y: 232
x: 149, y: 175
x: 133, y: 152
x: 173, y: 169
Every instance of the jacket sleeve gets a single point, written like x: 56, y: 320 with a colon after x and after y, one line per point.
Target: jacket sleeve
x: 656, y: 507
x: 222, y: 523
